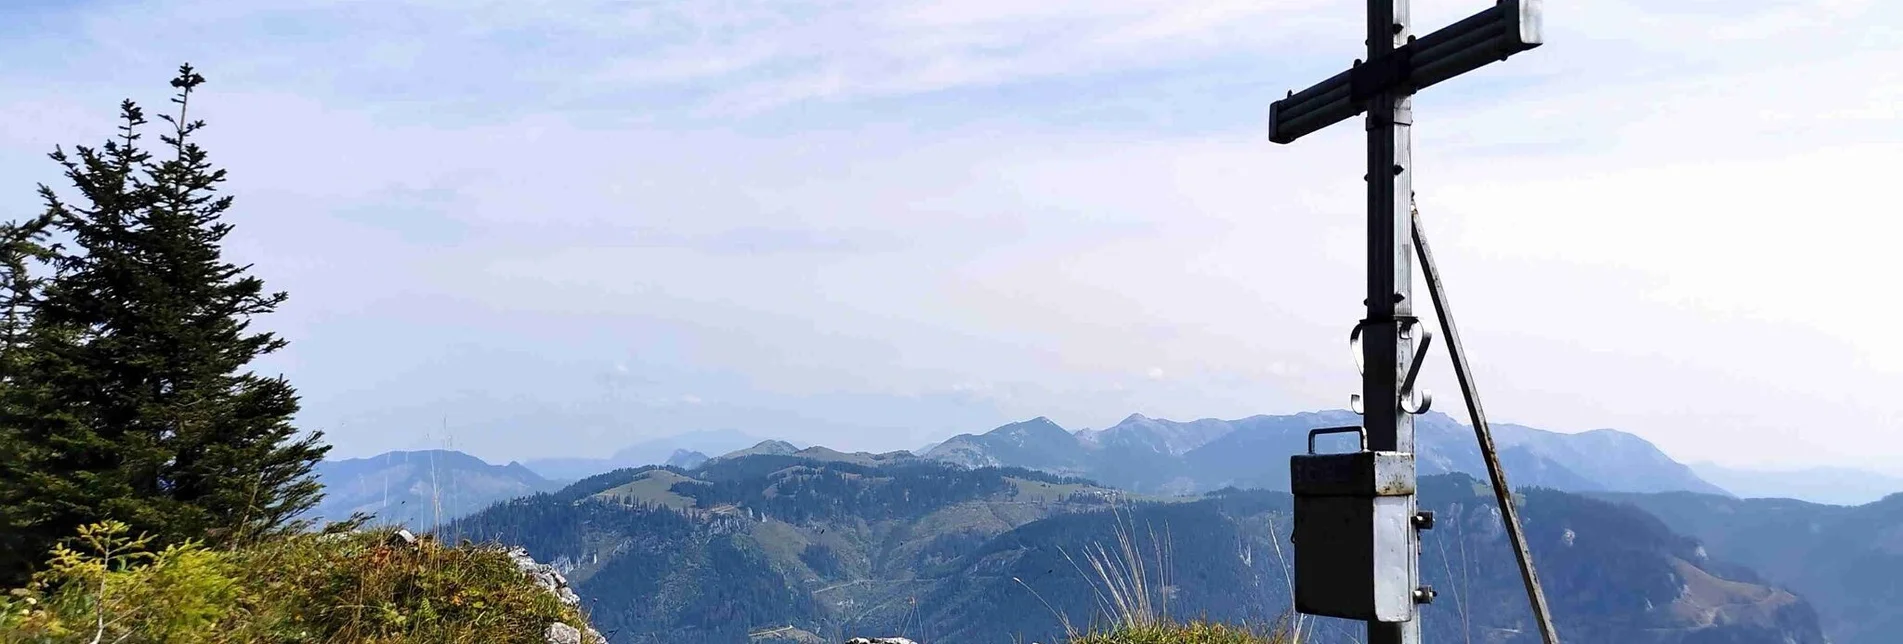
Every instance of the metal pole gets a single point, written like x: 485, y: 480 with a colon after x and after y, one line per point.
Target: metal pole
x: 1501, y: 492
x: 1390, y: 282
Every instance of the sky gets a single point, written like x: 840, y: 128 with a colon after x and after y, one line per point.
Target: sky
x: 533, y: 228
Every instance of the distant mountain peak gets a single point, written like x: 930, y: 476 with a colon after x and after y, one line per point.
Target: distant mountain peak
x: 686, y: 459
x: 652, y: 451
x: 1039, y: 422
x: 773, y: 447
x: 1040, y: 428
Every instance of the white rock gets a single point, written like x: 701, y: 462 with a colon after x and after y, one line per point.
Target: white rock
x: 545, y: 576
x: 559, y: 633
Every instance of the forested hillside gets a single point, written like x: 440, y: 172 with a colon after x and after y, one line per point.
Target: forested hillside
x: 763, y: 541
x: 1848, y: 560
x: 834, y: 548
x: 1612, y: 574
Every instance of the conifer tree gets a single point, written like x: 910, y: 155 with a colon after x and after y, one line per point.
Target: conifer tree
x: 134, y: 400
x: 22, y: 251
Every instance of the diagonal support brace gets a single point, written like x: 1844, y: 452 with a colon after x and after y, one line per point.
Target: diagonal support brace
x: 1542, y: 614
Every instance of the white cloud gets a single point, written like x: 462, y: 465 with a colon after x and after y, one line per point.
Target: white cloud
x: 1668, y: 219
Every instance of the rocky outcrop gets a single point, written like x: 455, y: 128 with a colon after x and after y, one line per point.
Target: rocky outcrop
x: 559, y: 633
x: 552, y: 581
x: 879, y: 640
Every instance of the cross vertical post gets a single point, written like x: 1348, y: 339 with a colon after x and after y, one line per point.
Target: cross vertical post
x: 1390, y: 288
x: 1357, y: 540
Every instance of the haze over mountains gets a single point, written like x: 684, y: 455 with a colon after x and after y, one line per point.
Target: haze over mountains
x: 1830, y: 485
x: 1169, y: 457
x: 649, y: 452
x: 1847, y: 560
x: 820, y: 545
x: 1139, y: 454
x: 419, y: 489
x: 813, y: 543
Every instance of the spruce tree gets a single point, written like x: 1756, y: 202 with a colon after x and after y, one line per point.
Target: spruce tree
x: 22, y: 252
x: 134, y: 400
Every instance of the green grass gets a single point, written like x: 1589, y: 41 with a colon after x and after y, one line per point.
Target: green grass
x: 654, y: 487
x: 1196, y: 632
x: 305, y: 588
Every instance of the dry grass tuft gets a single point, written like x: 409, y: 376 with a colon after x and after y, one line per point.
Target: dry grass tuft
x: 1196, y: 632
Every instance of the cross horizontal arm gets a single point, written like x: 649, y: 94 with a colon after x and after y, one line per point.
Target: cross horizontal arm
x: 1510, y: 27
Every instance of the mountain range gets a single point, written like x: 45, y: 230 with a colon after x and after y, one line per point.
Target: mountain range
x: 419, y: 489
x: 820, y: 545
x: 648, y: 452
x: 981, y: 537
x: 1169, y: 457
x: 1139, y: 454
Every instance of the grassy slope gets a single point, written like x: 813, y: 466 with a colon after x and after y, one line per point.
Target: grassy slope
x: 306, y: 588
x: 865, y: 574
x: 654, y: 486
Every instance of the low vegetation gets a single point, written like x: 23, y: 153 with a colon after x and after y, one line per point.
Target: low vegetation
x: 1194, y: 632
x: 319, y: 588
x: 1130, y: 587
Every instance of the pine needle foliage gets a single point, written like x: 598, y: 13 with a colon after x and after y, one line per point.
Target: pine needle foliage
x: 127, y: 394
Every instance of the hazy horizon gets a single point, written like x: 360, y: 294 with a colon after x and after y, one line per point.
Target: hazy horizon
x: 543, y: 230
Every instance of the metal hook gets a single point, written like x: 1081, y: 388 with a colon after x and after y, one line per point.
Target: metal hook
x: 1354, y: 348
x: 1417, y: 402
x: 1414, y: 402
x: 1354, y: 345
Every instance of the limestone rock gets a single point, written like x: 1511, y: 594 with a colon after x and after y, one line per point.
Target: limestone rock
x: 552, y: 581
x: 559, y: 633
x: 545, y: 576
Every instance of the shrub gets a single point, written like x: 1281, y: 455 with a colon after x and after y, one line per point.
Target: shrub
x: 317, y: 588
x: 112, y: 589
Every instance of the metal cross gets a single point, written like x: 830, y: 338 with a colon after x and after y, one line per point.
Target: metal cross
x: 1397, y: 66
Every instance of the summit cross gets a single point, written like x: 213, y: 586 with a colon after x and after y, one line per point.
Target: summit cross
x: 1386, y: 586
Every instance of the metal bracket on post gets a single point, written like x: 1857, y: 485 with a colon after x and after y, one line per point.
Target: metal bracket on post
x: 1412, y: 401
